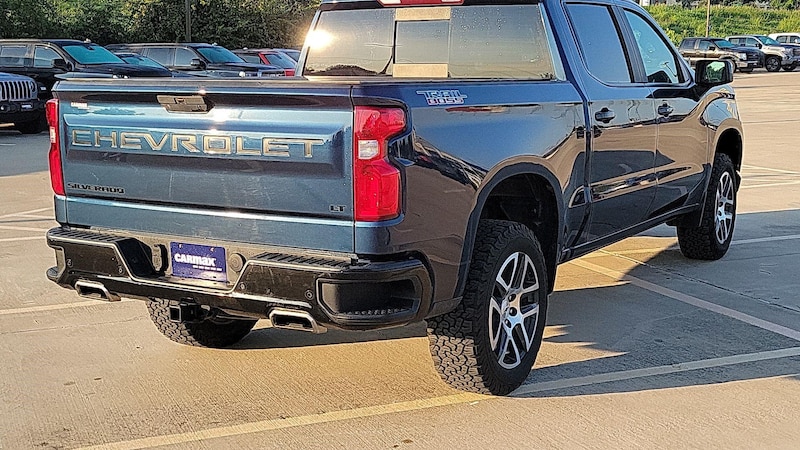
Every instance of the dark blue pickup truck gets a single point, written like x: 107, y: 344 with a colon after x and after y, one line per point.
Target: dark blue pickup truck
x: 435, y: 160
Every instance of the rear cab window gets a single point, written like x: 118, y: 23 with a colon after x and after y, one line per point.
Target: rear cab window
x: 478, y: 41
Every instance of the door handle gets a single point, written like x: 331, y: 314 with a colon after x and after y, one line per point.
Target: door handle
x: 665, y: 110
x: 605, y: 115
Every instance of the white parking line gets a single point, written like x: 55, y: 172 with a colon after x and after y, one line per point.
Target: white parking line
x: 688, y: 299
x: 653, y: 371
x: 20, y: 239
x: 22, y: 213
x: 12, y: 228
x: 770, y: 169
x: 766, y: 185
x: 674, y: 247
x: 36, y: 309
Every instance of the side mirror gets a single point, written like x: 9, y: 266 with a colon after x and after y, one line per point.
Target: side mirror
x: 61, y: 64
x: 712, y: 48
x: 759, y: 45
x: 711, y: 73
x: 198, y: 64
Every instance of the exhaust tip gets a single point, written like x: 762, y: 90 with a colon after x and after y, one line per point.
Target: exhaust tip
x: 95, y: 291
x: 295, y: 320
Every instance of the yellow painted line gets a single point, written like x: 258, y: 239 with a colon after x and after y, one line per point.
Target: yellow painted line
x: 289, y: 422
x: 688, y: 299
x: 655, y: 371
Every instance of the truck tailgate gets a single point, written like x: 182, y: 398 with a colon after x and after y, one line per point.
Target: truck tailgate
x: 211, y: 160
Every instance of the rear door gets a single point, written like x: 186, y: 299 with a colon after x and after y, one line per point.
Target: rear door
x: 242, y: 161
x: 623, y: 130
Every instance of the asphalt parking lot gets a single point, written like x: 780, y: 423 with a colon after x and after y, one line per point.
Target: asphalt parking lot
x: 644, y: 349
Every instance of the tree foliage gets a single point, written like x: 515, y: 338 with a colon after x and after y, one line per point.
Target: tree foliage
x: 232, y: 23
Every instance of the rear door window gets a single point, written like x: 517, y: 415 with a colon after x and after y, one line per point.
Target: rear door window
x: 161, y: 55
x: 600, y: 42
x: 13, y: 55
x: 480, y: 41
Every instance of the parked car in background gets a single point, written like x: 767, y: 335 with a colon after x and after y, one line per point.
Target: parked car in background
x: 786, y: 38
x: 139, y: 60
x: 46, y: 60
x: 744, y: 59
x: 268, y: 56
x: 290, y: 52
x: 20, y: 104
x: 776, y: 55
x: 199, y: 59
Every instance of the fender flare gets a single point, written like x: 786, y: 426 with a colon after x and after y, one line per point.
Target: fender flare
x: 486, y: 188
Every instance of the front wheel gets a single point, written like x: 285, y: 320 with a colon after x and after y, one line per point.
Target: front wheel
x: 712, y: 237
x: 772, y: 64
x: 489, y: 343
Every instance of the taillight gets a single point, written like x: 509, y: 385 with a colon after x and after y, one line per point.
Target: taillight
x: 376, y: 183
x: 56, y: 172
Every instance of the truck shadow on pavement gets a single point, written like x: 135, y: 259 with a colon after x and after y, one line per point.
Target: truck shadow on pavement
x: 625, y: 338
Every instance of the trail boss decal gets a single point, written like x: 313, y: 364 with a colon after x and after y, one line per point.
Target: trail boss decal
x: 443, y: 97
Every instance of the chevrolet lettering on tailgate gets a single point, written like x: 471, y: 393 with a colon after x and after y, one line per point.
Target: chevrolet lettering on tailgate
x: 194, y: 143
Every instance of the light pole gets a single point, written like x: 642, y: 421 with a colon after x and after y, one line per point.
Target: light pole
x: 708, y: 18
x: 188, y: 20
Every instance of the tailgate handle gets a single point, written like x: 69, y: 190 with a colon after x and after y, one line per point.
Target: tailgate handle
x: 185, y: 104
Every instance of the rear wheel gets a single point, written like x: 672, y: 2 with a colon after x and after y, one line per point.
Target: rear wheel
x: 710, y: 240
x: 790, y: 67
x: 772, y: 64
x: 214, y: 332
x: 489, y: 343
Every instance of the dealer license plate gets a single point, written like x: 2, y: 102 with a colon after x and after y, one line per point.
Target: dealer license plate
x: 198, y: 261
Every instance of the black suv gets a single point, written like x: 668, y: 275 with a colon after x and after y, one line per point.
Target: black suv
x: 199, y: 59
x: 744, y: 59
x: 46, y: 60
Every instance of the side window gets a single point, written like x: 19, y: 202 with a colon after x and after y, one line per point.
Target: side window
x: 600, y: 42
x: 781, y: 39
x: 687, y: 44
x: 751, y: 42
x: 184, y: 57
x: 44, y: 56
x: 795, y: 39
x: 704, y: 45
x: 161, y: 55
x: 660, y: 64
x: 13, y: 55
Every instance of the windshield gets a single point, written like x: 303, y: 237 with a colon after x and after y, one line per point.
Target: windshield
x: 91, y: 54
x: 722, y: 43
x: 766, y: 40
x: 219, y: 55
x: 493, y: 41
x: 281, y: 60
x: 141, y: 61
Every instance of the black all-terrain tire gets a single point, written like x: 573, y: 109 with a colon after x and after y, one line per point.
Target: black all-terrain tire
x: 702, y: 241
x: 772, y: 64
x: 460, y: 341
x: 215, y: 332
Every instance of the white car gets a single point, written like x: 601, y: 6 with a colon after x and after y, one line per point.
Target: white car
x: 786, y: 38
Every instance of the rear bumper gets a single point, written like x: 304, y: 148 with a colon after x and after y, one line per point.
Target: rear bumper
x: 337, y: 290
